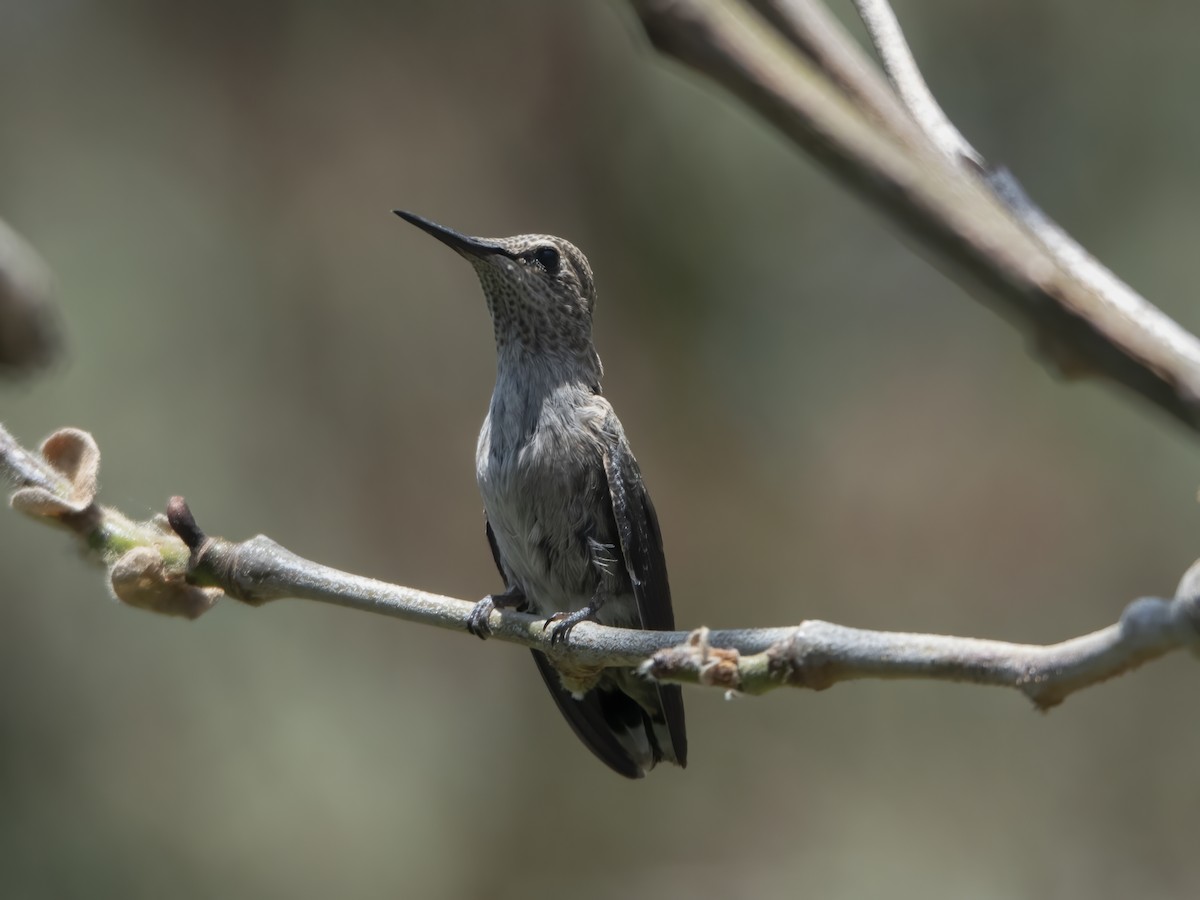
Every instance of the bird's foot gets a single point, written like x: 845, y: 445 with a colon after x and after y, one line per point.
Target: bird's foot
x: 564, y: 622
x: 477, y: 620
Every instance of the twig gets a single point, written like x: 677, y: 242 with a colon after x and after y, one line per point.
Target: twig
x: 183, y: 570
x: 813, y: 30
x: 902, y: 71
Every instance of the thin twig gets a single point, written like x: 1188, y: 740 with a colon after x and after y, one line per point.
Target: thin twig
x: 813, y: 30
x: 887, y: 38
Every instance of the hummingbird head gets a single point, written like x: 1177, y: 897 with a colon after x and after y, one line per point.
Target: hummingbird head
x: 539, y: 290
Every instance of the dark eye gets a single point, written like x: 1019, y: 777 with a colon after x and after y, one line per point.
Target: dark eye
x: 546, y: 257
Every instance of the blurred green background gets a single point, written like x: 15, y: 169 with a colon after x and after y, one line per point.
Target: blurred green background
x: 830, y: 429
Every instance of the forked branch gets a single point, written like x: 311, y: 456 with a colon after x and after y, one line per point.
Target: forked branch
x: 793, y: 63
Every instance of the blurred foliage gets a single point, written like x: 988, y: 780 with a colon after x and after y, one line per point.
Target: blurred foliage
x: 829, y: 427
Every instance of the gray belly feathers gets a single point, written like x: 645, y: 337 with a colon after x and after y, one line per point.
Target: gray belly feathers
x: 546, y: 497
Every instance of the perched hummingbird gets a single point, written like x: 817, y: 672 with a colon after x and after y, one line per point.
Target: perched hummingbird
x: 570, y: 524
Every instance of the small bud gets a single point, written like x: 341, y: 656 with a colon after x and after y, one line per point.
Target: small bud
x: 141, y: 578
x: 74, y: 455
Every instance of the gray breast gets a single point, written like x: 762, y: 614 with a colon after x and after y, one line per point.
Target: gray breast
x: 540, y: 467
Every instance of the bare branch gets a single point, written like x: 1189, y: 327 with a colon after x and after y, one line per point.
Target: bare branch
x: 1082, y: 320
x: 1088, y: 270
x: 813, y: 31
x: 813, y: 655
x: 818, y: 655
x: 902, y: 71
x: 901, y: 67
x: 259, y: 570
x: 182, y: 571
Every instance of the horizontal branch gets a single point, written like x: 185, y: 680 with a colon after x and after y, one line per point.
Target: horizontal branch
x: 793, y: 64
x: 169, y: 565
x: 818, y: 655
x: 259, y: 570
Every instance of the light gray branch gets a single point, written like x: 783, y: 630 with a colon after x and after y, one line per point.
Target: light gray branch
x: 902, y: 71
x: 813, y: 655
x: 174, y: 568
x: 898, y: 61
x: 818, y: 655
x: 813, y: 30
x: 794, y: 64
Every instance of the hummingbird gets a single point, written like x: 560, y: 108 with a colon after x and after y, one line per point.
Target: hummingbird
x: 570, y: 525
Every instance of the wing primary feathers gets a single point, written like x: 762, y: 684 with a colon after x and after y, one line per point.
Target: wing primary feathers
x: 641, y: 547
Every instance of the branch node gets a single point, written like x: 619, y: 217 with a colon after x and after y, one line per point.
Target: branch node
x: 1150, y: 621
x: 794, y: 662
x: 708, y: 665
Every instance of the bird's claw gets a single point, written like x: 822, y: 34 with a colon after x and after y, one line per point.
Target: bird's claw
x: 477, y: 620
x: 567, y: 621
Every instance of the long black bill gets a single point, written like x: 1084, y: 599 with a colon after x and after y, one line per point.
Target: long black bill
x: 463, y: 243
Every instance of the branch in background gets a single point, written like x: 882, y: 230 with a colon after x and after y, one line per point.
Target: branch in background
x: 905, y: 76
x: 902, y: 71
x: 29, y: 332
x: 798, y: 68
x: 175, y: 568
